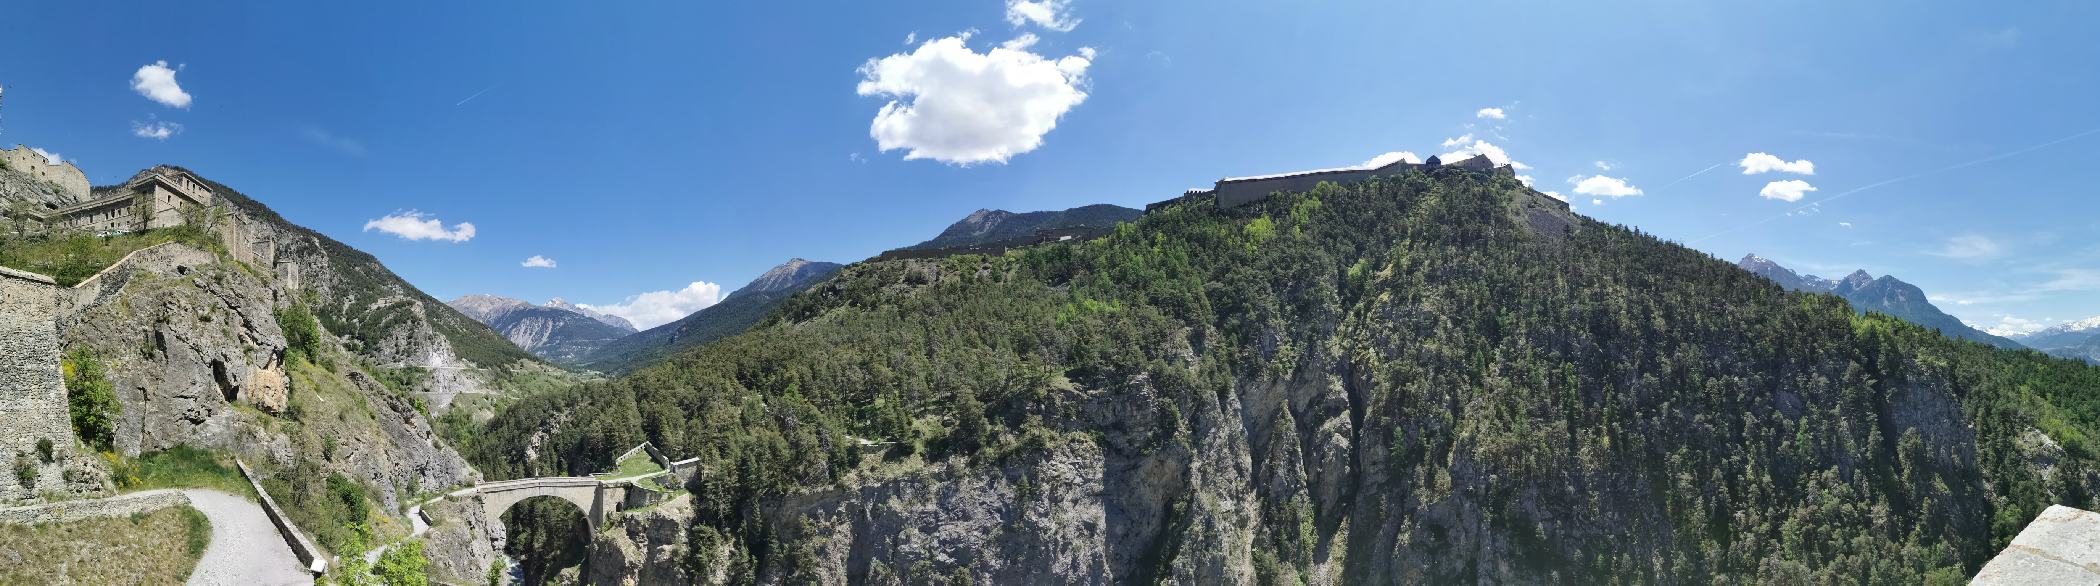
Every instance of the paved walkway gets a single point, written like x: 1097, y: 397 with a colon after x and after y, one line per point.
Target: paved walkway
x: 246, y: 549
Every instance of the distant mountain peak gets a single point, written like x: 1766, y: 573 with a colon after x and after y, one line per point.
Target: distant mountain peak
x: 604, y: 318
x: 1886, y: 294
x: 990, y: 225
x: 789, y: 275
x: 1785, y: 277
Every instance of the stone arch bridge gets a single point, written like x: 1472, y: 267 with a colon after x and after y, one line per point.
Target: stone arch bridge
x: 598, y: 497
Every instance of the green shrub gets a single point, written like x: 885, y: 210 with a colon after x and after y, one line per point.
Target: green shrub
x: 43, y: 450
x: 90, y: 398
x: 302, y: 336
x: 25, y: 469
x: 403, y: 565
x: 182, y: 466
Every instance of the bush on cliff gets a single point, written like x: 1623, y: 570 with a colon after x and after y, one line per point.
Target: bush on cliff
x: 90, y: 399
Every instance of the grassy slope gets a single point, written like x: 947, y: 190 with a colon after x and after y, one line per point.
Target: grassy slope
x: 161, y: 547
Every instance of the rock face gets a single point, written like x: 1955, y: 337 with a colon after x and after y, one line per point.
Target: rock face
x: 458, y: 544
x: 1886, y: 294
x: 648, y: 547
x: 739, y: 311
x: 189, y: 339
x: 2061, y: 546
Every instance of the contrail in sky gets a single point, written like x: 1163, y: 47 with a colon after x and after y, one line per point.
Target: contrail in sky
x: 1961, y: 165
x: 476, y: 95
x: 1701, y: 172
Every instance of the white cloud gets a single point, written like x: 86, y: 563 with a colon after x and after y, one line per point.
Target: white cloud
x: 957, y: 106
x: 1555, y: 195
x: 50, y: 158
x: 1788, y: 190
x: 156, y: 130
x: 1755, y: 163
x: 1021, y: 43
x: 414, y: 225
x: 657, y: 308
x: 1490, y: 113
x: 1390, y: 158
x: 1458, y: 140
x: 1479, y: 147
x: 157, y: 82
x: 2009, y: 325
x: 1844, y: 224
x: 1596, y: 202
x: 1600, y: 185
x: 911, y: 38
x: 1602, y: 166
x: 1050, y: 14
x: 538, y: 262
x: 1526, y: 180
x: 1969, y: 247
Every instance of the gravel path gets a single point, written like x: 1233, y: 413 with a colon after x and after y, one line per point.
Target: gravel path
x: 417, y: 529
x: 245, y: 549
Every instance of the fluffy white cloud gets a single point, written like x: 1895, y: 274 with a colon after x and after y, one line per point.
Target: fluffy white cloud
x: 1755, y: 163
x: 657, y: 308
x: 1603, y: 186
x: 1970, y: 247
x: 1555, y: 195
x: 1527, y: 180
x: 156, y: 81
x: 538, y: 262
x: 1050, y: 14
x: 2010, y: 325
x: 1602, y: 166
x: 1390, y: 158
x: 955, y: 105
x: 1478, y: 147
x: 50, y: 158
x: 156, y: 130
x: 1490, y: 113
x: 1788, y: 190
x: 1458, y: 140
x: 415, y: 225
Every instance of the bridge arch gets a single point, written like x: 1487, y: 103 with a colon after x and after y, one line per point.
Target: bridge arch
x: 594, y: 498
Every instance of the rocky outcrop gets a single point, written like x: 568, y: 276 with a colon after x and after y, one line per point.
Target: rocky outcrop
x: 644, y: 547
x: 458, y: 544
x: 195, y: 353
x: 2061, y: 546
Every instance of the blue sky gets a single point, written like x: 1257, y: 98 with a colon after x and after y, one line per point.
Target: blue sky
x: 651, y: 146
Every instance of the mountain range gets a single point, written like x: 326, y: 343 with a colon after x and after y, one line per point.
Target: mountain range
x: 989, y: 226
x: 1886, y: 294
x: 2078, y: 340
x: 736, y: 312
x: 558, y: 331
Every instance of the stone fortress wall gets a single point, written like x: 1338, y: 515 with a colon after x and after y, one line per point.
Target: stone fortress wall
x: 67, y: 177
x: 1234, y: 192
x: 32, y: 391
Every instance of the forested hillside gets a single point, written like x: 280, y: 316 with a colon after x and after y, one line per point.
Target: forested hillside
x: 1427, y: 378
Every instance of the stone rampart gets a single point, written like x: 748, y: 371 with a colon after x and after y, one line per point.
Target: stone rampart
x: 120, y: 506
x: 32, y: 392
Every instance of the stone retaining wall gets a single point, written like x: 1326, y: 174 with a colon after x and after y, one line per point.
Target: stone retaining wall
x: 121, y: 506
x: 303, y: 548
